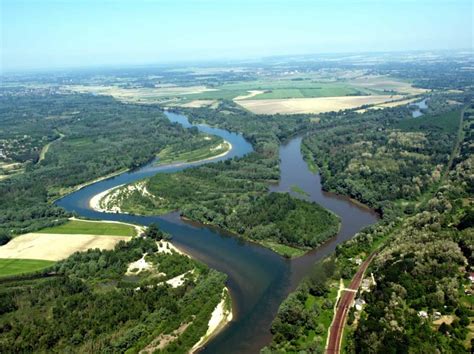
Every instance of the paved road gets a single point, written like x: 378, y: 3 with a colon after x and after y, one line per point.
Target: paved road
x: 347, y: 297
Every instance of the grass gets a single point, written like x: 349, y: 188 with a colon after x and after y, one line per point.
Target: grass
x: 346, y: 337
x: 10, y: 267
x: 221, y: 93
x: 299, y: 190
x: 325, y: 316
x: 282, y: 89
x: 324, y: 91
x: 284, y: 250
x: 91, y: 228
x: 170, y: 155
x: 308, y: 157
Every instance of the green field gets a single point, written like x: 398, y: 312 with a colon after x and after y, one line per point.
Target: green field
x: 170, y: 155
x: 20, y: 266
x: 91, y: 228
x: 284, y: 250
x: 222, y: 93
x: 286, y: 88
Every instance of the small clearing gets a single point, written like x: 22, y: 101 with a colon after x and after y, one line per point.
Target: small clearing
x: 139, y: 266
x: 177, y: 281
x: 448, y: 319
x: 198, y: 103
x: 168, y: 247
x: 162, y: 341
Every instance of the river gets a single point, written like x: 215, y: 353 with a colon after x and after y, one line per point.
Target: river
x: 258, y: 279
x: 420, y: 105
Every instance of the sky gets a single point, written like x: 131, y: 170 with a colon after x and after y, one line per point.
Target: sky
x: 38, y: 34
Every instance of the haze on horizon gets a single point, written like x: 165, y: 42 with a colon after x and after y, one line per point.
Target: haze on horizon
x: 60, y: 33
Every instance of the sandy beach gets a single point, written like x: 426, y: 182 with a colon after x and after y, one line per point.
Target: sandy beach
x: 220, y: 317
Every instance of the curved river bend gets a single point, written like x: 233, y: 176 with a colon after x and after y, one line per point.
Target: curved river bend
x: 258, y: 279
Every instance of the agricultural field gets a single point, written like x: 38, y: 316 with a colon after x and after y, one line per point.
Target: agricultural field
x: 73, y: 236
x: 139, y: 95
x: 277, y: 92
x: 313, y: 105
x: 384, y: 84
x: 306, y: 86
x: 54, y: 247
x: 92, y: 228
x: 10, y: 267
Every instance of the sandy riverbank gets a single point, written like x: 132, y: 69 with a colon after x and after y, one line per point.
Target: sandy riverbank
x: 220, y: 317
x: 176, y: 164
x: 95, y: 201
x: 229, y: 149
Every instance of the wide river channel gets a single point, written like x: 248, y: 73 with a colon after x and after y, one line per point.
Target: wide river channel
x: 258, y: 279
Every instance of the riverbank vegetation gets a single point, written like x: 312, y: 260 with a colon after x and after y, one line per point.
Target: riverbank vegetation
x: 143, y: 308
x: 12, y: 266
x: 97, y: 139
x: 304, y: 317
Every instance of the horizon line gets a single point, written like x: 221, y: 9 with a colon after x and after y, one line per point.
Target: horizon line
x: 222, y: 61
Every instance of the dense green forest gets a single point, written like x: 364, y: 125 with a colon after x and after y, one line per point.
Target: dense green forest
x: 234, y: 205
x: 383, y: 156
x: 97, y: 139
x: 410, y: 281
x: 91, y: 302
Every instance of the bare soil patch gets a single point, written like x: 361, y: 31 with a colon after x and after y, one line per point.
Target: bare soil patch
x: 251, y: 94
x: 54, y: 247
x: 198, y: 103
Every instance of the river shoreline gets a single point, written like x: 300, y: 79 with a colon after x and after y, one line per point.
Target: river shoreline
x: 94, y: 202
x: 220, y: 318
x: 210, y: 158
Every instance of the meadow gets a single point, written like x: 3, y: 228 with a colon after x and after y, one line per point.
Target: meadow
x: 211, y: 146
x: 91, y: 228
x: 10, y: 267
